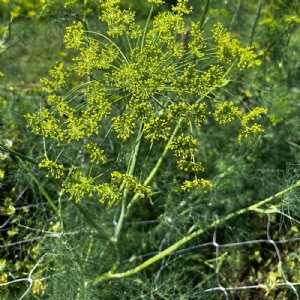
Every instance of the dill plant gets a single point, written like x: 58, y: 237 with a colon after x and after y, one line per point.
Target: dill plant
x: 134, y: 94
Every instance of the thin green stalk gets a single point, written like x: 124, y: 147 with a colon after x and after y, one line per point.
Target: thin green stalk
x: 254, y: 25
x: 42, y: 190
x: 237, y: 11
x: 205, y: 11
x: 146, y: 26
x: 158, y: 163
x: 75, y: 89
x: 18, y: 154
x: 193, y: 235
x: 90, y: 220
x: 111, y: 41
x: 129, y: 43
x: 286, y: 30
x: 59, y: 205
x: 160, y: 160
x: 132, y: 165
x: 7, y: 35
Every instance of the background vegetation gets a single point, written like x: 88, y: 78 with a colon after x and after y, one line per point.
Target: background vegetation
x: 45, y: 255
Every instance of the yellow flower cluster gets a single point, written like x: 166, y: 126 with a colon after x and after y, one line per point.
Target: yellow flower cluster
x: 96, y: 154
x: 250, y: 131
x: 197, y: 112
x: 58, y: 78
x: 197, y: 44
x: 124, y: 126
x: 181, y: 7
x: 146, y: 74
x: 157, y: 129
x: 108, y: 194
x: 88, y: 59
x: 192, y: 82
x: 38, y: 287
x: 81, y: 187
x: 7, y: 208
x: 228, y: 49
x: 45, y: 124
x: 119, y: 21
x: 203, y: 184
x: 257, y: 112
x: 189, y: 166
x: 211, y: 79
x: 226, y: 112
x: 157, y: 2
x: 167, y: 25
x: 184, y: 146
x: 54, y: 169
x: 131, y: 183
x: 75, y: 37
x: 1, y: 174
x: 64, y: 123
x: 251, y: 128
x: 91, y: 55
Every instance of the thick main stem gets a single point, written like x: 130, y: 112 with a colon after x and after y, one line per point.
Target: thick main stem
x: 191, y: 236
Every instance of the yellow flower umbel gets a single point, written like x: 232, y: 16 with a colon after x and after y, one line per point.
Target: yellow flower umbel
x: 131, y: 183
x: 184, y: 146
x: 228, y: 49
x: 250, y: 127
x: 153, y: 85
x: 203, y: 184
x: 226, y: 112
x: 54, y: 170
x: 96, y: 154
x: 81, y: 187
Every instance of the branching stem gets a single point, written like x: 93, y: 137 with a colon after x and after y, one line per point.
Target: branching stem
x: 193, y: 235
x: 157, y: 165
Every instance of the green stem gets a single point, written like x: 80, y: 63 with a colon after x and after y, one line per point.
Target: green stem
x: 42, y: 190
x: 205, y: 11
x: 288, y: 29
x: 18, y: 154
x: 111, y: 41
x: 254, y: 25
x: 157, y: 165
x: 7, y: 35
x: 132, y: 165
x: 90, y: 220
x: 237, y: 11
x: 193, y: 235
x: 146, y: 27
